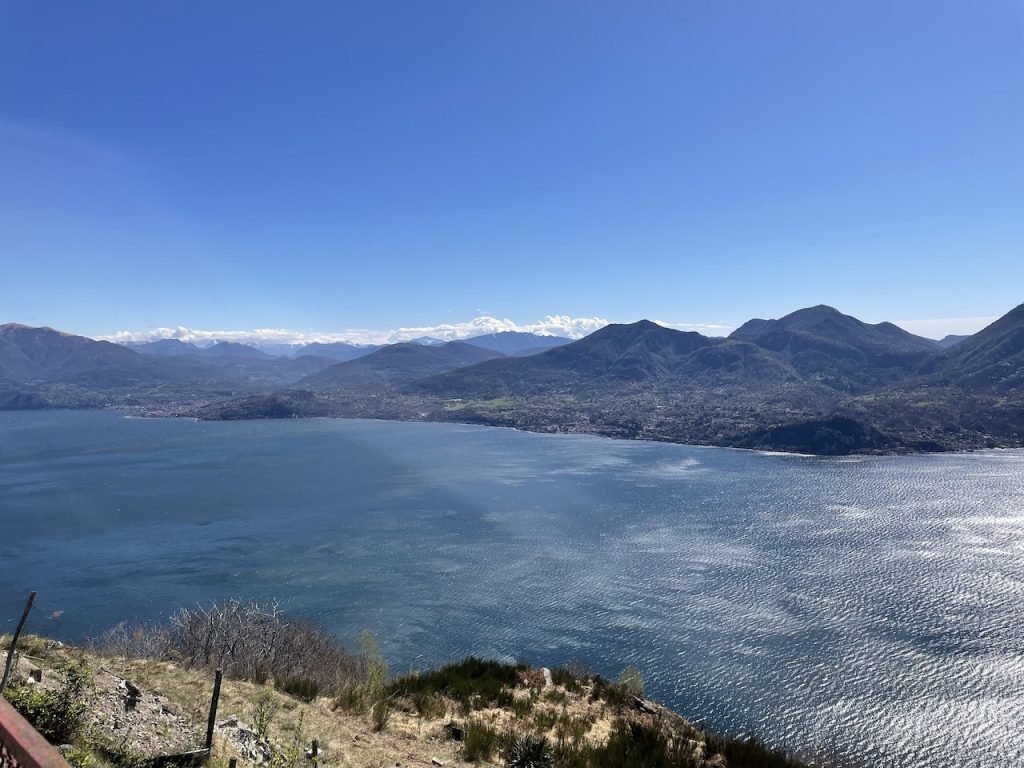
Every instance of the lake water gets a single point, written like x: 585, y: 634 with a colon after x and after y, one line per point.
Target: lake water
x: 870, y: 606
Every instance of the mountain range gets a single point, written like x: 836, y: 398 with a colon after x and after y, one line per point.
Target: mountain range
x: 815, y: 381
x: 397, y: 365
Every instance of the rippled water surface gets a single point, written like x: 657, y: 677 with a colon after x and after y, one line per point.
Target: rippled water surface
x: 865, y: 606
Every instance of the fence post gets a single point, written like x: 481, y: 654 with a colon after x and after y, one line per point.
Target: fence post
x: 14, y: 642
x: 213, y: 710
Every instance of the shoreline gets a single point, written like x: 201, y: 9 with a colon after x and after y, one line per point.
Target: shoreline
x: 603, y: 435
x: 767, y: 451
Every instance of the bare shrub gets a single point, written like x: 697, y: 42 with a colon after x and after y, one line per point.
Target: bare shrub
x: 129, y: 641
x: 248, y: 640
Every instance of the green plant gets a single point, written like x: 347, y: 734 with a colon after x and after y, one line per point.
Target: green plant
x: 428, y: 705
x: 556, y: 696
x: 363, y: 691
x: 78, y: 756
x: 568, y: 756
x: 59, y: 715
x: 530, y: 752
x: 473, y: 683
x: 293, y: 753
x: 304, y: 688
x: 614, y: 695
x: 571, y: 729
x: 32, y: 646
x: 632, y: 681
x: 380, y: 713
x: 631, y: 745
x: 126, y: 758
x: 507, y: 737
x: 374, y: 668
x: 349, y: 697
x: 264, y: 707
x: 522, y: 706
x: 568, y: 678
x: 635, y: 745
x: 480, y: 742
x: 544, y: 720
x: 750, y: 753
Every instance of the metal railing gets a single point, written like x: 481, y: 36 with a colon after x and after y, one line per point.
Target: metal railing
x: 21, y: 746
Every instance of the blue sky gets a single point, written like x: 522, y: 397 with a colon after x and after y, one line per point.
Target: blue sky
x: 328, y: 166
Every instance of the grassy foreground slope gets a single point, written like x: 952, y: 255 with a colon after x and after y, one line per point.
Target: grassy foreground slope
x: 139, y: 694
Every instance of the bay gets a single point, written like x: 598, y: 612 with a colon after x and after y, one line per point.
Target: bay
x: 868, y: 606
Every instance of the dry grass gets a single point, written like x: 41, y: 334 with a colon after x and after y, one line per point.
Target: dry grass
x: 346, y: 739
x: 577, y: 717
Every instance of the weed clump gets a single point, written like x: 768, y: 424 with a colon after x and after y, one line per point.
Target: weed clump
x: 522, y: 706
x: 530, y: 752
x: 632, y: 681
x: 59, y: 715
x: 428, y: 705
x: 380, y: 714
x: 570, y: 679
x: 304, y: 688
x: 481, y: 741
x: 751, y: 753
x: 473, y: 683
x: 264, y: 708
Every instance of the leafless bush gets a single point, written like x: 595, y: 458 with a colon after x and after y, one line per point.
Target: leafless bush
x: 134, y: 641
x: 254, y: 641
x: 248, y: 640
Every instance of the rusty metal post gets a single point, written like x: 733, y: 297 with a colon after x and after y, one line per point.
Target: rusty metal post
x: 213, y: 710
x: 14, y: 642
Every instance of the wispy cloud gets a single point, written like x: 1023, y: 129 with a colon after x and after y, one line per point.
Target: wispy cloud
x: 552, y: 325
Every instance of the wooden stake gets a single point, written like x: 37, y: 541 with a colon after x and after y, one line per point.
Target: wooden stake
x: 213, y: 710
x: 14, y: 642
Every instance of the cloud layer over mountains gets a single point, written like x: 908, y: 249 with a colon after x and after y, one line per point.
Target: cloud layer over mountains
x: 552, y: 325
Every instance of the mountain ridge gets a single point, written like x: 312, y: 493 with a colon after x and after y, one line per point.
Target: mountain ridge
x: 820, y: 341
x: 514, y: 343
x: 397, y: 364
x: 814, y: 380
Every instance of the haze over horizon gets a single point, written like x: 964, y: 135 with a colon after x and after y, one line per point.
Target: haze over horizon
x: 399, y: 166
